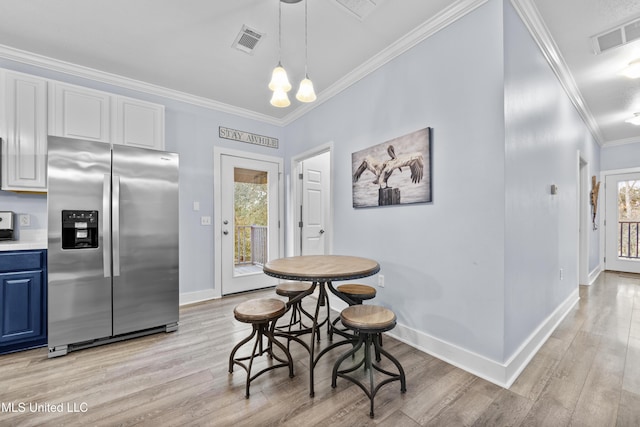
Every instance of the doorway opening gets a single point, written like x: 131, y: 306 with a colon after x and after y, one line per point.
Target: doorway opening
x: 311, y: 207
x: 622, y: 193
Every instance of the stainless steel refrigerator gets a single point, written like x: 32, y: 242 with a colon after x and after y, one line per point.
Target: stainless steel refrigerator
x: 113, y: 243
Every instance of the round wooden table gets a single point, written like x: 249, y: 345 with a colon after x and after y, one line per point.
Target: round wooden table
x: 321, y: 270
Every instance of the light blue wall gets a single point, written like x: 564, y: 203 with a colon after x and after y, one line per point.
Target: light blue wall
x: 190, y: 131
x: 625, y: 156
x: 543, y: 136
x: 443, y: 262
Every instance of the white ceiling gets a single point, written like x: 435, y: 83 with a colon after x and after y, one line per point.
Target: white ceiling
x: 185, y: 47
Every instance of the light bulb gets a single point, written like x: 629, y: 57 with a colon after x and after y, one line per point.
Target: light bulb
x: 632, y: 70
x: 279, y: 79
x: 635, y: 120
x: 280, y: 99
x: 305, y: 91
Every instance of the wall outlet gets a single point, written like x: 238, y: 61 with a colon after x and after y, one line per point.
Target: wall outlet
x: 25, y: 220
x: 381, y: 280
x: 205, y: 220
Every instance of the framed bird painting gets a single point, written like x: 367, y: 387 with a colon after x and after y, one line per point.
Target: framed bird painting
x: 396, y: 172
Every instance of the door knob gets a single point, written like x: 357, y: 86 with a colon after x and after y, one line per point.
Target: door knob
x: 321, y: 231
x: 225, y: 222
x: 225, y: 232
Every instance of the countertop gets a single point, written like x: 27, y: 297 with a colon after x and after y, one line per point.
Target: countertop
x: 28, y: 239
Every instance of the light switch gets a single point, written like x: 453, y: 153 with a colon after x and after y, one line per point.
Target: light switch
x: 196, y: 206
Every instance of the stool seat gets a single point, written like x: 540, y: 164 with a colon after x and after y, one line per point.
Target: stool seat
x: 357, y: 291
x: 292, y: 289
x: 259, y: 310
x: 368, y: 317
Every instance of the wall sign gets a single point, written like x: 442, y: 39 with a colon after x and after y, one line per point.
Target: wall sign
x: 250, y: 138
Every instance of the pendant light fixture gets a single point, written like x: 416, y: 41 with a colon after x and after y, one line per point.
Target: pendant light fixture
x: 279, y: 83
x: 632, y: 70
x: 635, y: 120
x: 305, y: 91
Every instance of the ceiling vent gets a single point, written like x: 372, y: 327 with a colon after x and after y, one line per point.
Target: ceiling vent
x: 360, y: 8
x: 247, y: 40
x: 618, y: 36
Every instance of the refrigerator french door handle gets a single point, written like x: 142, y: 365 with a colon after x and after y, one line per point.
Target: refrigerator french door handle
x: 115, y: 227
x: 106, y: 223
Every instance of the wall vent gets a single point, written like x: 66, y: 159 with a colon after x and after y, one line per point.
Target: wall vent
x: 618, y: 36
x: 247, y: 39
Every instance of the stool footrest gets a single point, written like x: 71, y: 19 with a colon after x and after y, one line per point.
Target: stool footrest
x: 260, y: 330
x: 368, y: 340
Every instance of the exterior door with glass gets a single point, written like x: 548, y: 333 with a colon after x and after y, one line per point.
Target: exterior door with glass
x: 249, y: 221
x: 622, y: 219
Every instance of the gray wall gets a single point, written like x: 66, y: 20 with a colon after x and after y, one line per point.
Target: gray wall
x: 543, y: 135
x: 625, y: 156
x: 443, y: 262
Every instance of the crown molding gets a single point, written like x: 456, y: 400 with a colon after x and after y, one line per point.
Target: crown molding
x: 425, y: 30
x: 41, y: 61
x: 533, y: 21
x: 446, y: 17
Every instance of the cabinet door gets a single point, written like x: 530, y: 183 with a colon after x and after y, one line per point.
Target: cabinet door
x: 24, y: 152
x: 139, y: 124
x: 78, y: 112
x: 21, y: 303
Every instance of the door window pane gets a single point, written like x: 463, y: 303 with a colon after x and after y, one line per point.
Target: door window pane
x: 628, y: 219
x: 251, y: 217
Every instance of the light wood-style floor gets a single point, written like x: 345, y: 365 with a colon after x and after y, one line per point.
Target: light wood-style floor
x: 587, y: 374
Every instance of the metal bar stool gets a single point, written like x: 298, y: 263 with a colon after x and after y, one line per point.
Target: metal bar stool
x: 291, y: 290
x: 355, y: 294
x: 262, y: 315
x: 368, y: 322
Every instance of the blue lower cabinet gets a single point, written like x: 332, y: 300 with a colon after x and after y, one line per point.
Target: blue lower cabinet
x: 23, y: 300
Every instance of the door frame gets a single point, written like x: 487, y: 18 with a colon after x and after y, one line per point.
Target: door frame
x: 603, y: 212
x: 218, y: 152
x: 295, y: 196
x: 602, y: 204
x: 584, y: 224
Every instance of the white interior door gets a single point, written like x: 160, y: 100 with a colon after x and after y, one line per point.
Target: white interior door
x: 249, y: 222
x: 622, y: 218
x: 315, y: 204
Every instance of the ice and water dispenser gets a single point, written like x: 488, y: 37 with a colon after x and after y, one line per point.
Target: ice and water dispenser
x: 79, y: 229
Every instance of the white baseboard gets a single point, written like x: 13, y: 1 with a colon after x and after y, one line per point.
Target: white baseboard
x: 593, y: 276
x: 198, y: 296
x: 502, y: 374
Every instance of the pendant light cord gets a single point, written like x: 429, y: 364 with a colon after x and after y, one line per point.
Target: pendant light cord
x: 279, y: 32
x: 306, y: 48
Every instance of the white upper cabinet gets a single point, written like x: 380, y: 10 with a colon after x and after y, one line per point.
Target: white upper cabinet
x: 78, y: 112
x: 82, y: 113
x: 139, y: 124
x: 23, y: 126
x: 31, y: 108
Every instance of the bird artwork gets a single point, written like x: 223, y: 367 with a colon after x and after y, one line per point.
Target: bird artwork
x: 400, y: 170
x: 383, y: 170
